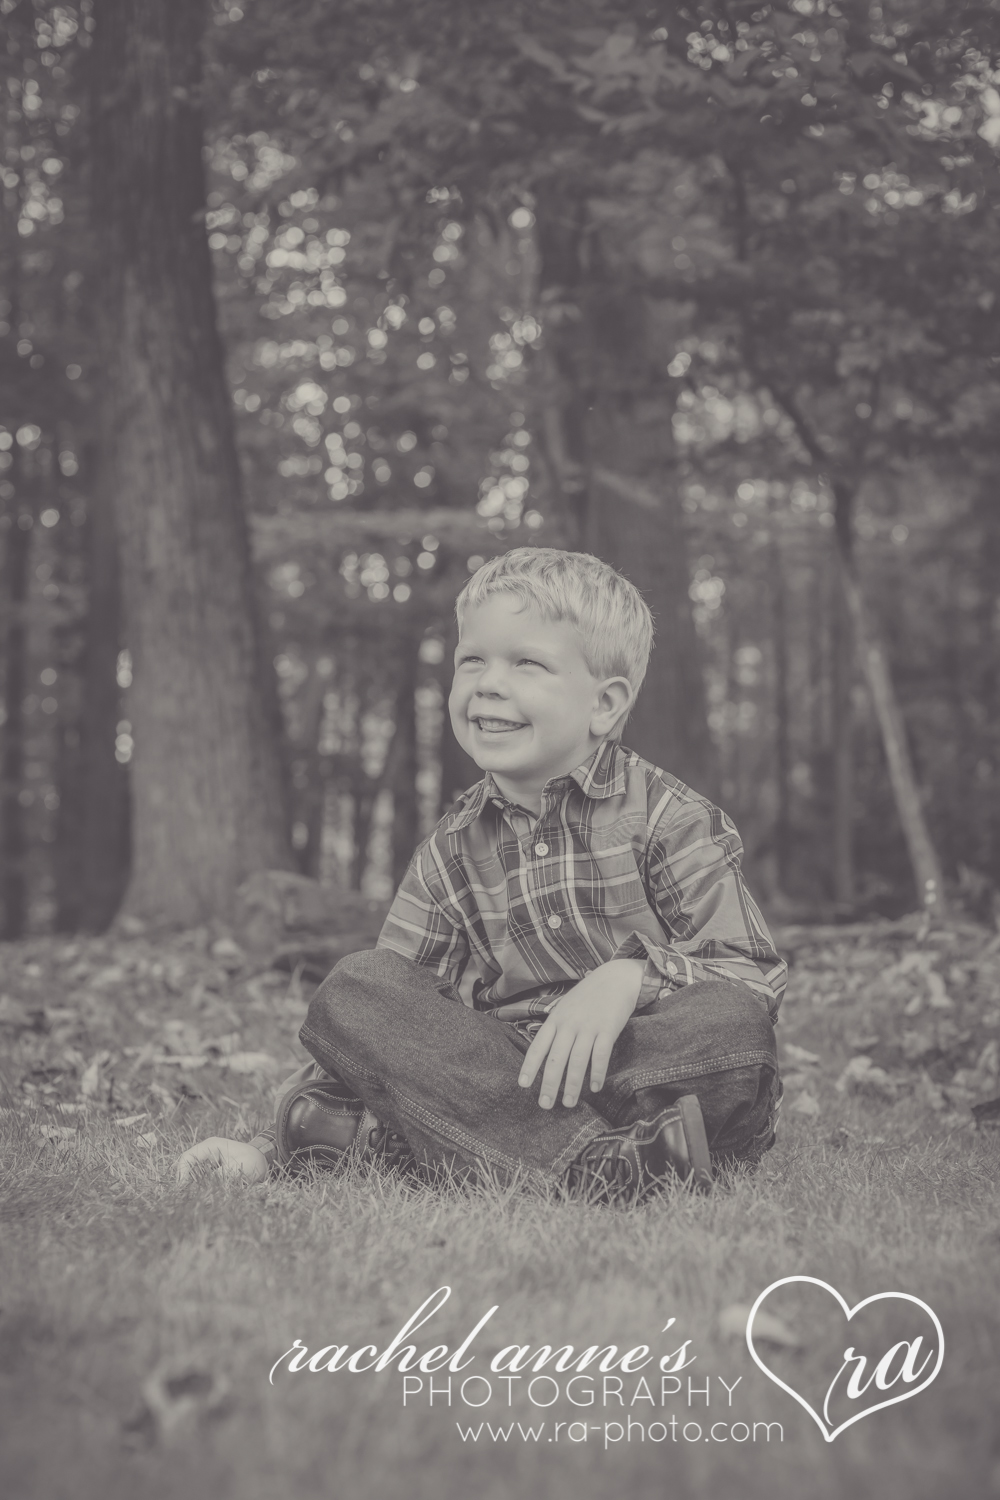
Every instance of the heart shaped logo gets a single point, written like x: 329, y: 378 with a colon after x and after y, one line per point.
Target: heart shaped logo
x: 906, y: 1360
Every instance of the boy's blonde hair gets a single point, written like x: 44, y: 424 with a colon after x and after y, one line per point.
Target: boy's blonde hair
x: 609, y: 614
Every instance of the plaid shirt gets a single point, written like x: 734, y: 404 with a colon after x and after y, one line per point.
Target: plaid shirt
x: 624, y: 862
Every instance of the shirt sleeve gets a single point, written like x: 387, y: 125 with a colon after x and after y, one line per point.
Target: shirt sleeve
x: 712, y: 926
x: 424, y: 923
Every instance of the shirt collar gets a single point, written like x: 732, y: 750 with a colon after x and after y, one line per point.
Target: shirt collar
x: 601, y: 776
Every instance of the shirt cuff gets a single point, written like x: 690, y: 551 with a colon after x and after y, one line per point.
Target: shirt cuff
x: 264, y: 1142
x: 662, y: 973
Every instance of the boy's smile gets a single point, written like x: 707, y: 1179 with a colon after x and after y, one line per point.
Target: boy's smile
x: 524, y: 703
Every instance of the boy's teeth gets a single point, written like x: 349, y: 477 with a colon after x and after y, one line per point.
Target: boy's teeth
x: 497, y: 723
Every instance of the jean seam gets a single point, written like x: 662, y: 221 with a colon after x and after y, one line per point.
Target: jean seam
x: 629, y: 1082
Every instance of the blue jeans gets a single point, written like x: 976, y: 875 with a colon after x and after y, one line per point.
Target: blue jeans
x: 446, y: 1075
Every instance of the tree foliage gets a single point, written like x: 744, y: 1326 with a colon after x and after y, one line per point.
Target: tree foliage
x: 707, y: 289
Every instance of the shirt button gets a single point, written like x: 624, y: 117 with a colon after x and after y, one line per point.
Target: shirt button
x: 555, y: 921
x: 671, y: 968
x: 541, y: 848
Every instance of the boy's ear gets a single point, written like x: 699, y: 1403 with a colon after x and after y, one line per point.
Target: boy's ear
x: 615, y: 698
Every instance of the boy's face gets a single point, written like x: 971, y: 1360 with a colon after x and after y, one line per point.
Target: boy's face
x: 523, y: 702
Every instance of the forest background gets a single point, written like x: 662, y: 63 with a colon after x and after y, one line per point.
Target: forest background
x: 708, y: 289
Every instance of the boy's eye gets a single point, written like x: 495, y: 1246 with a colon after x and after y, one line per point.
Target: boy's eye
x: 526, y: 661
x: 464, y: 660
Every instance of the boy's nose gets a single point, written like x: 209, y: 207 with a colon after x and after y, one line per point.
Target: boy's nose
x: 492, y: 683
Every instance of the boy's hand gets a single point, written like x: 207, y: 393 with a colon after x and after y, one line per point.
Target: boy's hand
x: 582, y: 1028
x: 235, y: 1157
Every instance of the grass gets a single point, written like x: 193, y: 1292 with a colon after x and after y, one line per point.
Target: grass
x: 112, y: 1273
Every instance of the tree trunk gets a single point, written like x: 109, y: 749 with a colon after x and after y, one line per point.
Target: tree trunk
x: 875, y: 664
x: 596, y: 364
x: 560, y: 416
x: 207, y: 793
x: 365, y: 791
x: 105, y: 857
x: 782, y: 728
x: 644, y: 539
x: 66, y: 849
x: 842, y: 744
x: 16, y: 522
x: 13, y: 838
x: 874, y: 660
x: 458, y: 770
x: 405, y: 817
x: 308, y: 768
x: 923, y: 856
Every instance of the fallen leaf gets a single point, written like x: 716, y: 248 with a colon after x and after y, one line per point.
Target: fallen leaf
x: 805, y: 1104
x: 250, y: 1062
x: 915, y: 1045
x: 181, y: 1037
x: 90, y: 1083
x: 914, y: 1006
x: 939, y: 999
x: 131, y: 1119
x: 767, y: 1329
x: 107, y: 978
x: 862, y: 1076
x: 800, y: 1056
x: 229, y: 955
x: 57, y: 1132
x: 932, y: 1094
x: 227, y: 1044
x: 988, y: 1061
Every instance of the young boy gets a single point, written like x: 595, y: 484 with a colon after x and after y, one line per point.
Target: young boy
x: 601, y: 908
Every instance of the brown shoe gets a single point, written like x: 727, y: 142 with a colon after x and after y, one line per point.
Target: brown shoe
x: 624, y: 1165
x: 323, y: 1122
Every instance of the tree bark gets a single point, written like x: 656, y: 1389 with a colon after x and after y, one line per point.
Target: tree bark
x: 875, y: 663
x: 207, y: 791
x: 596, y: 363
x: 405, y: 818
x: 458, y: 770
x: 105, y: 853
x: 16, y: 522
x: 308, y: 767
x: 669, y: 724
x: 782, y: 726
x: 842, y: 743
x: 923, y: 856
x: 13, y: 836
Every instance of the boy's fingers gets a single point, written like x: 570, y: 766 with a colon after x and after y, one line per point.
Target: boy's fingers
x: 576, y: 1072
x: 554, y: 1068
x: 599, y: 1063
x: 535, y: 1055
x: 571, y: 1052
x: 206, y: 1153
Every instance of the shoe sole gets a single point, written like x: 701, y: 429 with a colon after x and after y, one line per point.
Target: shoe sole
x: 701, y: 1175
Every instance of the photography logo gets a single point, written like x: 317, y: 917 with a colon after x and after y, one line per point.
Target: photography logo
x: 862, y: 1379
